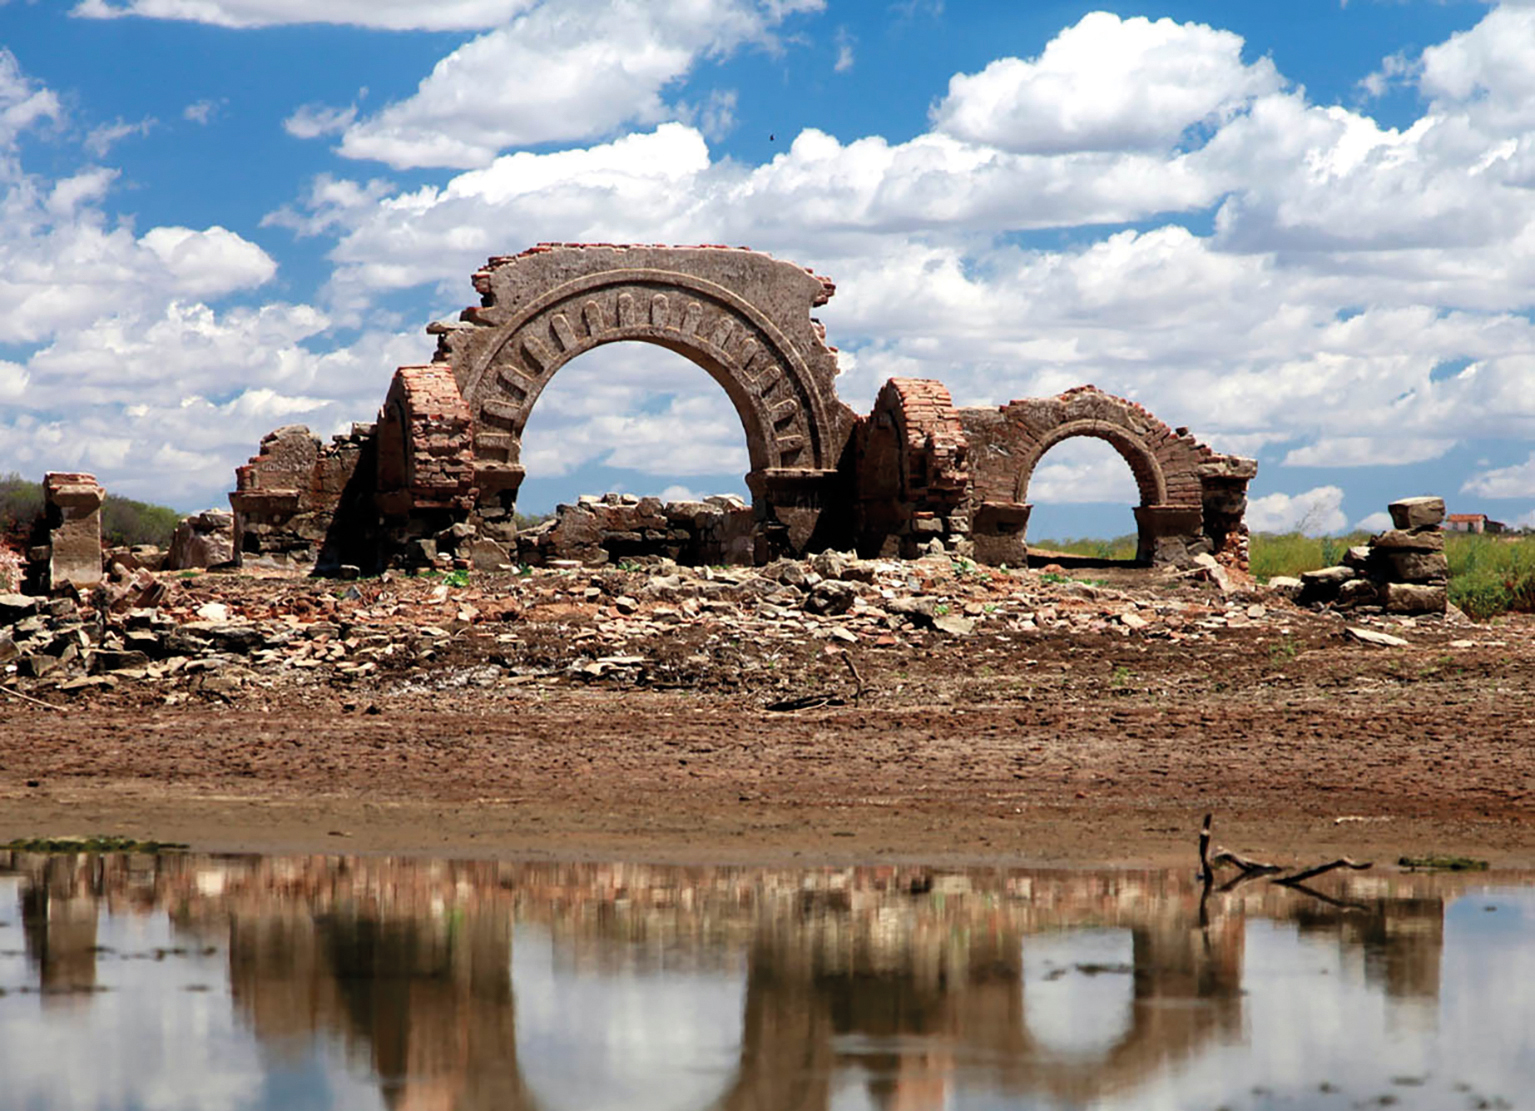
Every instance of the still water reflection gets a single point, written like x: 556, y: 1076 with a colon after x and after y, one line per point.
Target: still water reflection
x: 298, y: 982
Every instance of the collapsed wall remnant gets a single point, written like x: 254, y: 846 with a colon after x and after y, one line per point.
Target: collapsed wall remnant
x: 70, y: 551
x: 288, y: 497
x: 718, y: 530
x: 435, y: 481
x: 1402, y: 570
x: 911, y: 471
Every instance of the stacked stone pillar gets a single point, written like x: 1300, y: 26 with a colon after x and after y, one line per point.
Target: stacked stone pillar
x: 1408, y: 562
x: 1402, y: 570
x: 72, y: 516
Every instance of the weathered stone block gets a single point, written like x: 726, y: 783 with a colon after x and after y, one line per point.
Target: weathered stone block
x: 1416, y: 513
x: 1323, y: 584
x: 1358, y: 592
x: 205, y: 539
x: 1416, y: 567
x: 14, y: 607
x: 1286, y: 586
x: 1403, y: 541
x: 485, y: 554
x: 1415, y: 598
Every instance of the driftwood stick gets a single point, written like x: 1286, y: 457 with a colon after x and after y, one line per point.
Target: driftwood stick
x: 29, y: 698
x: 1341, y: 862
x: 847, y: 658
x: 1204, y: 850
x: 1251, y: 867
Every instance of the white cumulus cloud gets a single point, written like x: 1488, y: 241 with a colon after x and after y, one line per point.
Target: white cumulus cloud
x: 209, y: 262
x: 563, y: 71
x: 1314, y: 512
x: 1368, y: 451
x: 1516, y: 481
x: 1106, y: 84
x: 393, y: 15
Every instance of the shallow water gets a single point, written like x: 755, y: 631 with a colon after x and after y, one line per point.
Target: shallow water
x: 189, y: 981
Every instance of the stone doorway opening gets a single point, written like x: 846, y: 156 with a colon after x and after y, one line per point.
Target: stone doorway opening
x: 1084, y: 495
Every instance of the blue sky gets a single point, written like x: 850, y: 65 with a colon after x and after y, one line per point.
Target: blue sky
x: 1305, y: 231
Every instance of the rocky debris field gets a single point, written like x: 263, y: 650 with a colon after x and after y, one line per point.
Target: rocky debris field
x: 822, y: 709
x: 817, y: 629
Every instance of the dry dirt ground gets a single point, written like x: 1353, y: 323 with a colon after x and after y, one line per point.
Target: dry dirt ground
x: 1051, y: 732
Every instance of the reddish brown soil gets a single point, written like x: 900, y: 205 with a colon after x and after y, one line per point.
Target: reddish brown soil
x: 1055, y: 748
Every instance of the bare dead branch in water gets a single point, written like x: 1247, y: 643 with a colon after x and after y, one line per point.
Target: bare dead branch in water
x: 1248, y: 865
x: 1204, y: 850
x: 1341, y: 862
x: 1252, y: 869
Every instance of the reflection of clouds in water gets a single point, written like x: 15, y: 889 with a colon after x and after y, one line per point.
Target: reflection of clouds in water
x: 1073, y: 1012
x: 1487, y: 1003
x: 147, y: 1042
x: 591, y: 1040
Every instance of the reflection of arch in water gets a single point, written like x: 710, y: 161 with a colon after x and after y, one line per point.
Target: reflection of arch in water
x: 425, y: 1003
x: 801, y: 998
x: 593, y: 1032
x: 1186, y: 992
x: 1078, y: 998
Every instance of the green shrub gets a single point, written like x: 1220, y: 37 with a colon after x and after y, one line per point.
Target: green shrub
x: 21, y: 502
x: 1289, y: 553
x: 125, y: 522
x: 1491, y: 575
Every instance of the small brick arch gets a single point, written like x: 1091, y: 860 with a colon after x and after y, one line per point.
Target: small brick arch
x: 1149, y: 479
x: 1182, y: 483
x: 1165, y: 461
x: 741, y: 316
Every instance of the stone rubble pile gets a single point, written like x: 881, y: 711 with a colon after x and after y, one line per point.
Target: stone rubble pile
x: 1401, y: 571
x: 596, y: 530
x: 173, y: 636
x: 205, y: 539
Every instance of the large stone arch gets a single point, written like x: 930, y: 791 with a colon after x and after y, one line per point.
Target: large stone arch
x: 741, y: 316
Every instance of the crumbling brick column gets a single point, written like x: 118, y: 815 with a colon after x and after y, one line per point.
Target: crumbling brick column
x: 912, y: 471
x: 425, y: 482
x: 1223, y: 483
x: 72, y: 509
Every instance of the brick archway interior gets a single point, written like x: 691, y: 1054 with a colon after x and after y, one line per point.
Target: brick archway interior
x: 1143, y: 464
